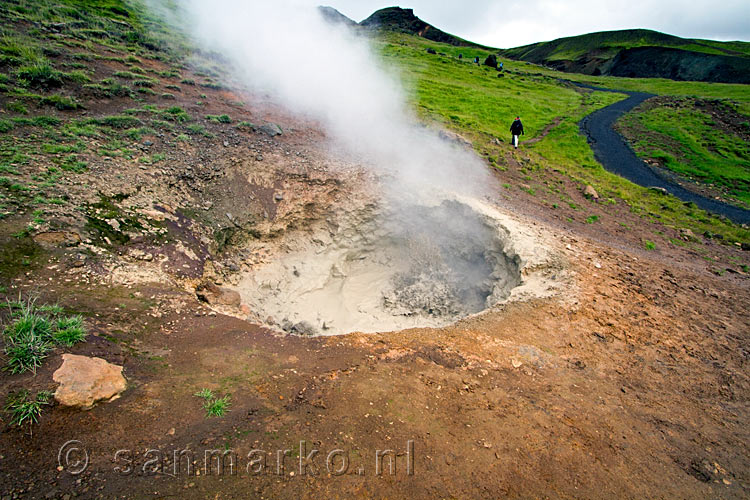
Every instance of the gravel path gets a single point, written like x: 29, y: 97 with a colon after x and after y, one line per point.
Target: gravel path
x: 611, y: 150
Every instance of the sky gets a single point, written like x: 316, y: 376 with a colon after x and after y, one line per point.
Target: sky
x: 510, y: 23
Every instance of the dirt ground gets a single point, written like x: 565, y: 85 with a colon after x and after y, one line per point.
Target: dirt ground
x: 632, y: 383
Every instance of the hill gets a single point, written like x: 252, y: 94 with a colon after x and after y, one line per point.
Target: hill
x: 404, y: 20
x: 334, y: 16
x: 642, y: 54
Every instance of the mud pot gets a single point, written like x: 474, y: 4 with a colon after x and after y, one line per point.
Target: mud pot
x: 394, y: 266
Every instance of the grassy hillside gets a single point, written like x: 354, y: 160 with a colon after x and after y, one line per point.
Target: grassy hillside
x: 610, y: 42
x: 641, y: 53
x: 83, y: 83
x: 705, y: 141
x: 475, y: 102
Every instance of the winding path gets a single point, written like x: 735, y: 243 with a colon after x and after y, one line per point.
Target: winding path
x: 611, y: 150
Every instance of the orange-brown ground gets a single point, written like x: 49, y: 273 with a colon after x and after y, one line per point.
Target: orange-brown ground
x: 634, y: 384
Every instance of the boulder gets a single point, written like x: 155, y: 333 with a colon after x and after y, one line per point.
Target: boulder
x: 590, y: 193
x: 53, y: 239
x: 218, y: 296
x: 84, y: 381
x: 491, y: 61
x: 271, y: 129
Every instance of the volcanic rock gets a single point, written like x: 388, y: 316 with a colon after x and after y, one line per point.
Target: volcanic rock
x: 271, y: 129
x: 214, y: 295
x: 590, y: 192
x: 84, y: 381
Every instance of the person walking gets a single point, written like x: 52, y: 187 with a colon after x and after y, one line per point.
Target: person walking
x: 516, y: 129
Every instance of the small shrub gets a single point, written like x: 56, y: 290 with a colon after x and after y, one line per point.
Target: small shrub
x: 136, y: 133
x: 187, y: 81
x: 40, y: 75
x: 26, y: 410
x: 145, y: 82
x: 591, y: 219
x: 175, y: 113
x: 183, y: 138
x: 17, y: 107
x: 78, y: 77
x: 31, y: 334
x: 649, y: 245
x: 167, y: 95
x: 70, y: 331
x: 5, y: 126
x: 61, y: 102
x: 173, y: 87
x: 217, y: 407
x: 145, y: 90
x: 219, y: 118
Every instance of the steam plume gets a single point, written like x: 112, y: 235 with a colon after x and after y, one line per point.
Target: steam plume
x: 328, y: 73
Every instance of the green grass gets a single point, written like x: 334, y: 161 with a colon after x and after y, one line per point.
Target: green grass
x: 686, y: 139
x: 607, y: 44
x: 214, y: 406
x: 219, y: 118
x: 41, y: 74
x: 33, y: 331
x: 475, y: 103
x: 69, y: 331
x: 23, y: 409
x: 649, y: 245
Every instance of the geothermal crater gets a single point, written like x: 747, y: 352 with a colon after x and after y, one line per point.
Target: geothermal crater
x: 383, y: 268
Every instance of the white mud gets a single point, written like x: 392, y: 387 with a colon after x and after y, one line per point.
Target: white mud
x: 392, y: 268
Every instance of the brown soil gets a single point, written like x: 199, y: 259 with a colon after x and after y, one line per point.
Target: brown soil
x: 633, y: 384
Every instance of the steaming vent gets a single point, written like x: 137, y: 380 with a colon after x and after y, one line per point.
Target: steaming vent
x: 383, y: 269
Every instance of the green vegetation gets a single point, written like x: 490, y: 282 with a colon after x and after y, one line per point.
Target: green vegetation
x: 23, y: 409
x: 607, y: 44
x: 219, y: 118
x: 474, y: 102
x: 214, y: 406
x: 705, y: 141
x: 649, y: 245
x: 33, y: 331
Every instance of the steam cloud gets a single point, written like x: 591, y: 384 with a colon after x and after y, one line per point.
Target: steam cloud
x: 330, y: 74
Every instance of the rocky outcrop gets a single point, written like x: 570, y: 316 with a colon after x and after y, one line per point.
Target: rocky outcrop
x: 335, y: 17
x: 215, y: 295
x: 404, y: 20
x: 84, y: 381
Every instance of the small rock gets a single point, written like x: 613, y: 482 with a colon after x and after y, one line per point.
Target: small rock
x: 278, y: 197
x: 590, y: 193
x: 148, y: 143
x: 226, y: 144
x: 258, y: 157
x: 171, y: 432
x: 659, y: 190
x: 271, y: 129
x: 210, y: 293
x: 84, y: 381
x: 688, y: 235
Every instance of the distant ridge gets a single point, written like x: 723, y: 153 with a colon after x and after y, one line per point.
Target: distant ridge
x: 404, y: 20
x: 642, y: 54
x: 333, y: 16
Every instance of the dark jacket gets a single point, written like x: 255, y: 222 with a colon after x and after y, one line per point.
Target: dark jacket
x: 516, y: 128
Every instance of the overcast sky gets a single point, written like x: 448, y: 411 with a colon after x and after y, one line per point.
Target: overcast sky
x: 510, y: 23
